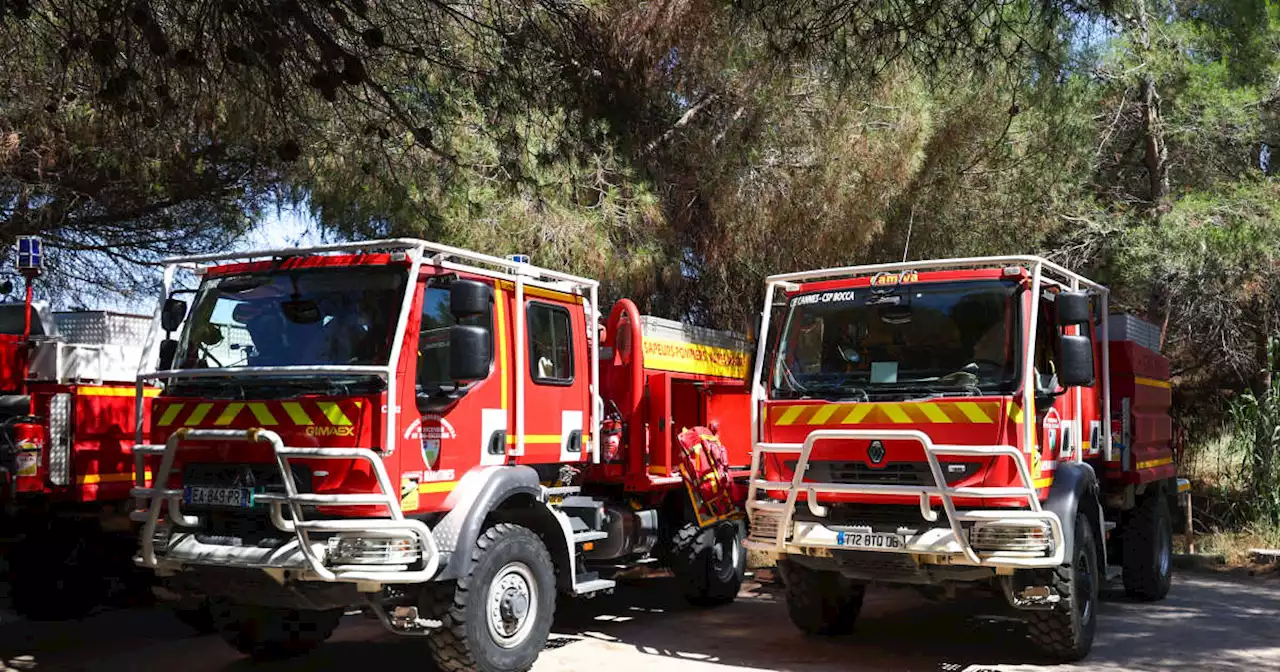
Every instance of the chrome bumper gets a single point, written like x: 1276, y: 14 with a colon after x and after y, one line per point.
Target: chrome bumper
x: 774, y: 528
x: 164, y: 546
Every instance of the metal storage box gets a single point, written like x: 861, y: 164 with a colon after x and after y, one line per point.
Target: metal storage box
x: 1125, y: 327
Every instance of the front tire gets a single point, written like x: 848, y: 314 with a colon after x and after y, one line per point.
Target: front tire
x: 821, y: 602
x: 709, y: 563
x: 273, y: 633
x: 498, y: 617
x: 1065, y: 632
x: 1148, y: 551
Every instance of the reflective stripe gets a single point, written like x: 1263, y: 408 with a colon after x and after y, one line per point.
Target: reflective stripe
x: 502, y: 344
x: 857, y: 414
x: 441, y: 486
x: 823, y: 414
x: 1152, y: 382
x: 973, y: 412
x: 93, y: 479
x: 1158, y: 462
x: 170, y: 414
x: 229, y: 413
x: 261, y: 414
x: 296, y: 413
x: 543, y: 439
x: 333, y: 413
x: 934, y: 413
x: 198, y: 415
x: 790, y: 415
x: 99, y: 391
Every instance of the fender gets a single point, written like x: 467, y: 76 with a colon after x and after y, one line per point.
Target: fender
x: 1075, y: 489
x: 480, y: 491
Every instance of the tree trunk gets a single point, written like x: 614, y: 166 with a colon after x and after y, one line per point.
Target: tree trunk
x: 1156, y: 152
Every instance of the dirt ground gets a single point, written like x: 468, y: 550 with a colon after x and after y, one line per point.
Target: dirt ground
x: 1209, y: 622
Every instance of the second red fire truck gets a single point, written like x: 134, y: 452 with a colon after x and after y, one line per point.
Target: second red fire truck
x: 446, y: 438
x: 962, y: 422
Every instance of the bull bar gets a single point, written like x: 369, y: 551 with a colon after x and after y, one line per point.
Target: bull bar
x: 939, y: 541
x: 306, y: 555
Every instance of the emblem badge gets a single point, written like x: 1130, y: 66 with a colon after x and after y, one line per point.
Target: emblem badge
x: 875, y: 452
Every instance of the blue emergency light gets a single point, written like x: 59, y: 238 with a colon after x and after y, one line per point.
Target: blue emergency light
x: 30, y: 254
x: 518, y: 258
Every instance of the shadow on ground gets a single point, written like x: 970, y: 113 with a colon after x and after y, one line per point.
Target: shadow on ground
x: 1207, y: 623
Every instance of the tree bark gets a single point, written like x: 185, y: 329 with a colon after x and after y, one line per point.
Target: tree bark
x: 1157, y: 153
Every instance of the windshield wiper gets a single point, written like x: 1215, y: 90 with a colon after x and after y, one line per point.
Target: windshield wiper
x: 842, y: 391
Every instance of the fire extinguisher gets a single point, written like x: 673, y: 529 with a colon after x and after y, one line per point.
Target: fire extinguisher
x: 611, y: 430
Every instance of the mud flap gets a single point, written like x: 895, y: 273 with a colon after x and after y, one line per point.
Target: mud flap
x: 704, y: 467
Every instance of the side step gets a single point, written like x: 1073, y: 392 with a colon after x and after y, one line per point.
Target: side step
x: 593, y: 587
x: 589, y: 536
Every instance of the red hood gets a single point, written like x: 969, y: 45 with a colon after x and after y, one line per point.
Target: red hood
x: 980, y: 421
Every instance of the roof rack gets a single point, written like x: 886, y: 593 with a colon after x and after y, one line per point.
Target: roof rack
x: 1051, y: 271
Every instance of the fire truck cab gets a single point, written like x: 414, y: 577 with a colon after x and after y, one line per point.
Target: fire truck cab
x: 445, y: 438
x: 957, y: 423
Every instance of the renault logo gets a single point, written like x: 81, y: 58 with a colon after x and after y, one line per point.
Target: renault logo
x: 875, y: 452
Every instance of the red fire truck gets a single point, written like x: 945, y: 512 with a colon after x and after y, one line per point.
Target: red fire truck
x: 445, y: 438
x: 966, y: 422
x: 67, y: 388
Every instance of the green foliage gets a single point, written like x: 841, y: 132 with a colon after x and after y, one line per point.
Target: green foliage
x: 1255, y: 420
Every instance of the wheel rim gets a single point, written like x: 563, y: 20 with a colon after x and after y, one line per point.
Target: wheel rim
x: 1084, y: 585
x: 724, y: 553
x: 512, y: 606
x: 1166, y: 550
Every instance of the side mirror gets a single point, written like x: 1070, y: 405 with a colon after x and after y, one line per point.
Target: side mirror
x: 172, y: 314
x: 1077, y: 361
x: 468, y: 298
x: 168, y: 349
x: 469, y: 352
x: 1073, y: 308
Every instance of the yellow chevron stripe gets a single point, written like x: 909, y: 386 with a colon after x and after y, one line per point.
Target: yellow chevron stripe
x: 170, y: 414
x: 197, y: 416
x: 262, y: 414
x: 823, y: 414
x: 229, y: 413
x: 333, y: 413
x: 789, y: 416
x: 297, y: 414
x: 859, y: 412
x: 934, y: 413
x: 973, y: 412
x: 895, y: 413
x: 1014, y: 411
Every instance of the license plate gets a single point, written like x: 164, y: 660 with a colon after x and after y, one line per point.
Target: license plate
x: 206, y: 496
x: 879, y: 541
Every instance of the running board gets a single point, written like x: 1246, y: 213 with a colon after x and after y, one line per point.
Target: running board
x: 594, y: 587
x: 589, y: 536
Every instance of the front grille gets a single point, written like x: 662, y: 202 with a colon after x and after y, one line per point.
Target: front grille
x: 241, y: 527
x: 764, y: 526
x: 892, y: 567
x: 1030, y: 538
x: 879, y: 517
x: 890, y: 473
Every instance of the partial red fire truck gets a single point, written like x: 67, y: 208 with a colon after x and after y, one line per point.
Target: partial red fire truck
x: 956, y: 423
x: 445, y: 438
x: 66, y: 427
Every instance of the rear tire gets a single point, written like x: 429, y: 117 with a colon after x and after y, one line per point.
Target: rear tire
x: 709, y: 563
x: 496, y: 618
x: 1065, y: 632
x: 1148, y: 551
x: 821, y: 602
x: 274, y: 633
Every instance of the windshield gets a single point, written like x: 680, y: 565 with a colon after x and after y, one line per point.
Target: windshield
x: 943, y: 338
x: 308, y: 317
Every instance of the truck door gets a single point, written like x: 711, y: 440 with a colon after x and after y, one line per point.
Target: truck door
x: 556, y: 381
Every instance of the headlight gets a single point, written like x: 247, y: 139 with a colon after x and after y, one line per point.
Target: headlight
x: 1011, y: 537
x: 370, y: 549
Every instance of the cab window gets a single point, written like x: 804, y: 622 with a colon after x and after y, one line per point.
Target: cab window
x: 550, y: 344
x: 433, y: 336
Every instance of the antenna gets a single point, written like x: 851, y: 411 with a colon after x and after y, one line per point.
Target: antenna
x: 911, y: 220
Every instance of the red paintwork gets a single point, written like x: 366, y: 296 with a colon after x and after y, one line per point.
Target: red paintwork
x: 1151, y: 418
x: 458, y: 427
